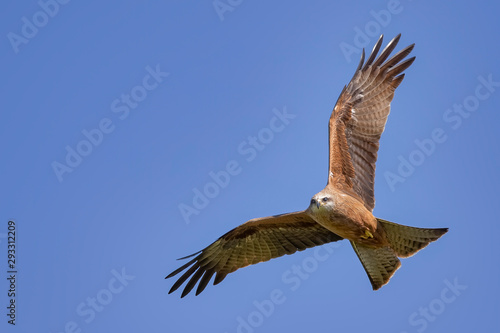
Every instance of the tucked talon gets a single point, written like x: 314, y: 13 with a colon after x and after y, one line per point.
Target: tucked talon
x: 367, y: 235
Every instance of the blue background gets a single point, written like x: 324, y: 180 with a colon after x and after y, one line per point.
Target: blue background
x: 118, y: 210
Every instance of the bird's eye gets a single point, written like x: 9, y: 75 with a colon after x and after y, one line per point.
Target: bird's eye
x: 313, y: 201
x: 325, y: 199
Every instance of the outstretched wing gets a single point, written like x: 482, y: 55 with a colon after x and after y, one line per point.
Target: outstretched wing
x: 358, y: 119
x: 252, y: 242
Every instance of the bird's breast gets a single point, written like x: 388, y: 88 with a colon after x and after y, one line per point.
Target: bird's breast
x: 359, y: 226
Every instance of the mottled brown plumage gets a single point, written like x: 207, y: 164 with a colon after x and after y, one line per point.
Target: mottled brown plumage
x: 343, y: 209
x: 252, y: 242
x: 358, y: 120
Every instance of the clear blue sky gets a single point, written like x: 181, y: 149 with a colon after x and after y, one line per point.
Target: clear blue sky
x: 115, y: 113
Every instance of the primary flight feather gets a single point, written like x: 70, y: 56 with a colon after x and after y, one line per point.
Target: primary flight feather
x: 343, y: 209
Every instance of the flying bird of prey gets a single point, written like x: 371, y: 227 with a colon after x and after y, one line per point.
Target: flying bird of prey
x: 343, y: 209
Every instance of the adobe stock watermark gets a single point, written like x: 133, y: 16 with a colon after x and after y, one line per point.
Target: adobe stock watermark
x: 291, y: 279
x: 222, y: 7
x: 88, y: 309
x: 121, y: 108
x: 453, y: 117
x: 428, y: 314
x: 371, y: 30
x: 248, y: 149
x: 32, y: 24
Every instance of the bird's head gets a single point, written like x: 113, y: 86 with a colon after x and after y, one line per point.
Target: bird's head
x: 321, y: 202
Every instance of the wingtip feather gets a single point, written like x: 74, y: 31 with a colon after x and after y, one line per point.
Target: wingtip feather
x: 361, y: 61
x: 374, y: 53
x: 387, y: 51
x: 191, y: 255
x: 192, y: 282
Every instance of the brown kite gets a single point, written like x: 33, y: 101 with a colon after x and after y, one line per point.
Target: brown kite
x: 343, y: 209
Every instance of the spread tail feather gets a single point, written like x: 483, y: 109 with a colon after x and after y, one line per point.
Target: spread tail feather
x: 380, y: 264
x: 406, y: 241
